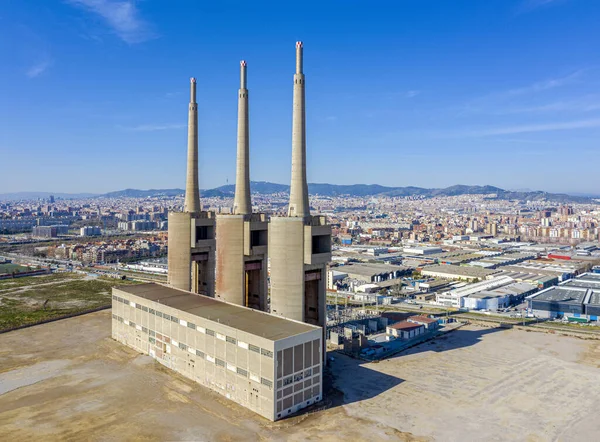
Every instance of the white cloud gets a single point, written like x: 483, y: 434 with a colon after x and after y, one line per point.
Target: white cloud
x: 542, y: 127
x: 154, y: 127
x: 411, y: 94
x: 559, y: 106
x: 545, y: 84
x: 38, y: 68
x: 530, y: 5
x: 122, y: 16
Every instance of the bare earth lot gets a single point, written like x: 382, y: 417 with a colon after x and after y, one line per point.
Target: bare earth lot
x: 68, y: 380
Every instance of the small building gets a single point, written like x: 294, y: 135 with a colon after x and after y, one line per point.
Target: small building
x: 486, y: 300
x: 425, y: 297
x: 404, y: 330
x: 428, y: 323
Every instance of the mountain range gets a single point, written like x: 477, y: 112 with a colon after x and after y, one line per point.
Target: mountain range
x: 324, y: 189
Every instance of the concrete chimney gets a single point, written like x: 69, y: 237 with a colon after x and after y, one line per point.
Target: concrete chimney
x: 192, y: 192
x: 299, y: 206
x: 242, y: 204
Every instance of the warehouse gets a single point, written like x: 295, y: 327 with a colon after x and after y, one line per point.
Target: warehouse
x: 266, y: 363
x: 561, y: 302
x: 466, y: 273
x: 373, y: 272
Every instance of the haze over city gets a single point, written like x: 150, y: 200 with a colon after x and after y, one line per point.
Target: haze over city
x: 420, y: 93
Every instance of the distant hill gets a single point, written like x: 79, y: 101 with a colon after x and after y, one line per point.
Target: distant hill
x: 324, y: 189
x: 137, y: 193
x: 25, y: 196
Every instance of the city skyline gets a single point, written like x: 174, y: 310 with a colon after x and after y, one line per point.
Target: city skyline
x: 106, y: 87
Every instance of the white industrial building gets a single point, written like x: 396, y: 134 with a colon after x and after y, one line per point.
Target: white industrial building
x: 266, y: 363
x: 454, y: 298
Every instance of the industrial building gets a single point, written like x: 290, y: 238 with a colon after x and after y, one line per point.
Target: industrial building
x: 299, y: 244
x: 576, y: 299
x: 467, y: 273
x: 210, y: 323
x: 192, y: 232
x: 242, y: 237
x: 271, y: 365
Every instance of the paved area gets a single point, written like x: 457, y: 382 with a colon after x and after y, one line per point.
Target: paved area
x: 68, y: 380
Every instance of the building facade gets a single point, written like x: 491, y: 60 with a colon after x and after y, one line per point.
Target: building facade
x: 271, y: 365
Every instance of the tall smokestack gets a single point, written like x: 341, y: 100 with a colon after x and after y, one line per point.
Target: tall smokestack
x: 299, y: 188
x: 241, y: 203
x: 192, y: 192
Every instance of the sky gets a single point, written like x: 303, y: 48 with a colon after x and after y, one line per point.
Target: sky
x: 431, y: 93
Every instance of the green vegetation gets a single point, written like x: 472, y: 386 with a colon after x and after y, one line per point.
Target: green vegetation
x: 9, y: 284
x: 36, y: 299
x: 12, y: 268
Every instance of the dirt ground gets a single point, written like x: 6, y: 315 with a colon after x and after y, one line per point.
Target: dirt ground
x: 68, y: 380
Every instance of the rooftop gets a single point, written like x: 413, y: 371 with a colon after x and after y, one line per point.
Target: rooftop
x: 245, y: 319
x: 572, y: 295
x: 405, y: 325
x: 460, y: 270
x: 423, y: 319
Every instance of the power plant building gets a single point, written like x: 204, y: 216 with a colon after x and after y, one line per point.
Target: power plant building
x: 299, y: 244
x: 192, y: 243
x: 271, y: 365
x: 211, y: 323
x: 242, y: 253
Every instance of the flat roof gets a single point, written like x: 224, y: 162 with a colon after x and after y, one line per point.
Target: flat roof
x: 368, y: 269
x: 460, y: 270
x: 582, y: 283
x: 245, y: 319
x: 572, y: 295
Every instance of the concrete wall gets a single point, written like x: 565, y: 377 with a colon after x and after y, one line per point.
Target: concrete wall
x: 179, y: 258
x: 230, y: 259
x: 286, y: 252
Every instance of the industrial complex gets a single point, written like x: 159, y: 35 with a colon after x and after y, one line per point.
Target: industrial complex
x: 214, y: 322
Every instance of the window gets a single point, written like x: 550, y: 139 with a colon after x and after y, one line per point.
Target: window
x: 183, y: 346
x: 298, y: 377
x: 152, y: 333
x: 191, y: 325
x: 307, y: 373
x: 242, y: 372
x: 200, y: 354
x: 219, y: 362
x: 254, y: 348
x: 210, y: 332
x: 114, y: 316
x: 267, y: 353
x: 114, y: 297
x: 288, y: 381
x: 120, y: 319
x: 231, y: 340
x: 167, y: 317
x: 174, y: 319
x: 152, y: 340
x: 151, y: 311
x: 159, y: 314
x: 144, y: 309
x: 139, y: 307
x: 266, y: 382
x: 132, y: 324
x: 144, y: 329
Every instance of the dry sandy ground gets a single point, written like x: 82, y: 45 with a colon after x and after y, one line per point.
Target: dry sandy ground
x: 69, y: 381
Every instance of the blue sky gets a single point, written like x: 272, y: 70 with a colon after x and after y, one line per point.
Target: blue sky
x: 93, y: 93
